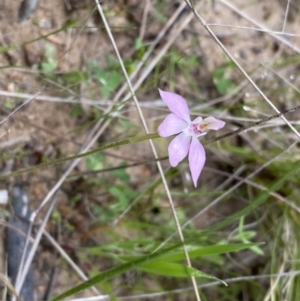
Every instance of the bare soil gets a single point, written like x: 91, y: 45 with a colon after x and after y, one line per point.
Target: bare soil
x: 45, y: 128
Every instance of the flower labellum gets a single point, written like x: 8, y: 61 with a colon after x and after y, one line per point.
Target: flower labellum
x: 186, y: 142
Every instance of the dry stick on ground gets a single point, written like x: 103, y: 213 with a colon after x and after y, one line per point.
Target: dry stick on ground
x: 229, y: 191
x: 265, y: 120
x: 236, y: 91
x: 64, y: 255
x: 280, y: 33
x: 84, y: 154
x: 18, y: 108
x: 258, y: 186
x: 92, y: 138
x: 39, y: 127
x: 216, y: 201
x: 144, y: 19
x: 8, y: 286
x: 276, y: 36
x: 260, y: 122
x: 224, y: 49
x: 283, y: 78
x: 162, y: 51
x: 242, y: 129
x: 156, y: 295
x: 48, y: 197
x: 148, y: 70
x: 146, y: 56
x: 25, y: 264
x: 55, y: 99
x: 233, y: 188
x: 151, y: 144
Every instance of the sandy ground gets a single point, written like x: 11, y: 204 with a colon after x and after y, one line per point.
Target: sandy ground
x: 45, y: 128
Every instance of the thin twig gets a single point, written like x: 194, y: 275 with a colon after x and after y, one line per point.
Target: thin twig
x: 258, y: 186
x: 224, y: 49
x: 245, y: 128
x: 279, y: 38
x: 232, y: 189
x: 99, y: 7
x: 156, y: 295
x: 144, y: 19
x: 64, y: 255
x: 286, y: 34
x: 137, y: 139
x: 93, y: 136
x: 151, y: 48
x: 41, y: 97
x: 18, y: 108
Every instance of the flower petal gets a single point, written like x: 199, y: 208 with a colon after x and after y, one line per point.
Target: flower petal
x: 213, y: 123
x: 179, y: 148
x: 171, y: 125
x: 176, y: 104
x: 197, y: 159
x: 197, y: 120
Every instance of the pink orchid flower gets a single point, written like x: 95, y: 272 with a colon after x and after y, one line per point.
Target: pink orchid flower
x: 179, y: 122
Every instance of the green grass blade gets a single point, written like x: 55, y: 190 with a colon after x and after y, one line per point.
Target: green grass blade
x: 98, y: 149
x: 198, y: 252
x: 172, y: 269
x: 261, y: 198
x: 114, y: 272
x: 210, y: 250
x: 67, y: 25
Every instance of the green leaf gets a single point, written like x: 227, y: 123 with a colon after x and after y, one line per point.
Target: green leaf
x: 69, y: 23
x: 242, y: 236
x: 122, y: 174
x: 145, y: 244
x: 49, y: 51
x: 49, y: 66
x: 95, y: 161
x: 105, y: 91
x: 223, y: 84
x: 127, y: 124
x: 104, y: 276
x: 123, y: 200
x: 138, y: 44
x: 114, y: 80
x: 210, y: 250
x: 202, y: 251
x: 74, y: 77
x: 158, y: 15
x: 76, y: 110
x: 8, y: 105
x: 172, y: 269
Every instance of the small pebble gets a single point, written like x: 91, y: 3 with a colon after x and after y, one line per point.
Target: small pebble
x: 3, y: 197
